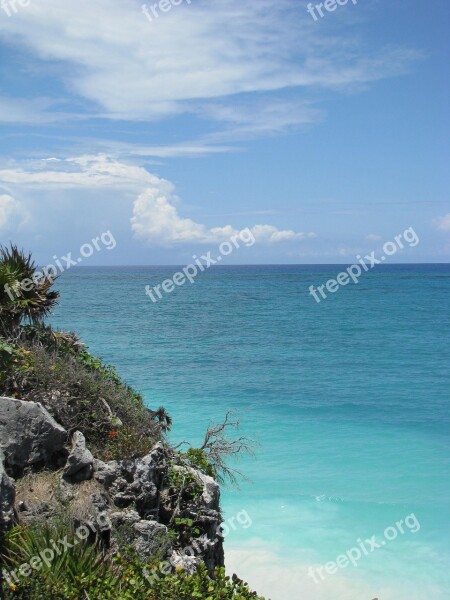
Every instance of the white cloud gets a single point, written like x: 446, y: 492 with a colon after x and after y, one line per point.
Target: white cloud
x: 129, y: 68
x: 156, y: 221
x: 443, y: 223
x: 93, y: 171
x: 38, y: 111
x: 179, y: 150
x: 266, y: 116
x: 155, y: 218
x: 9, y: 210
x: 373, y: 237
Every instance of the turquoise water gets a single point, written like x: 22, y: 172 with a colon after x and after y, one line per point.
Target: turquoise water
x: 348, y: 400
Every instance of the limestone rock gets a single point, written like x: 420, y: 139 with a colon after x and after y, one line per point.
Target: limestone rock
x: 128, y: 517
x: 134, y: 483
x: 151, y: 538
x: 79, y: 466
x: 106, y: 473
x: 185, y: 561
x: 211, y: 490
x: 28, y: 434
x: 7, y: 498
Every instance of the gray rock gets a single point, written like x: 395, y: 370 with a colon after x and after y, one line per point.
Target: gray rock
x: 152, y: 467
x: 151, y: 539
x: 128, y: 517
x: 121, y: 484
x: 28, y: 434
x: 185, y: 561
x: 80, y: 463
x: 7, y: 498
x: 135, y: 483
x: 205, y: 511
x: 148, y: 479
x: 123, y: 500
x: 211, y: 491
x: 106, y: 473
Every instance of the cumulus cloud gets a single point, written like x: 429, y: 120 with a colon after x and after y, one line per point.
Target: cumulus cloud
x: 10, y: 209
x: 156, y: 220
x: 155, y: 217
x: 443, y: 223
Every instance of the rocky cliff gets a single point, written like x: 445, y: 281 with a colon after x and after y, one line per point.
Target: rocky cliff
x: 155, y: 503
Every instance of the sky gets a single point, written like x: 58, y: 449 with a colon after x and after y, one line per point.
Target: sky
x: 176, y: 129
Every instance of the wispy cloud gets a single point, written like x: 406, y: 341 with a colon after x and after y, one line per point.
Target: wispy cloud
x: 183, y: 150
x: 223, y: 65
x: 37, y: 111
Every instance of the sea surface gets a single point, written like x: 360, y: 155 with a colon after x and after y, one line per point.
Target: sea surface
x: 348, y: 400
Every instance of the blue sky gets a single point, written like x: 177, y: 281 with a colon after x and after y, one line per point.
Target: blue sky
x: 327, y: 138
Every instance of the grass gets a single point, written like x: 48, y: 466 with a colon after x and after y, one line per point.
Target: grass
x: 36, y: 489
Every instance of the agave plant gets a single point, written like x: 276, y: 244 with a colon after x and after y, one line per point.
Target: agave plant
x: 24, y: 296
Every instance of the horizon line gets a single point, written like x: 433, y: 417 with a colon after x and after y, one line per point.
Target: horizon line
x: 250, y: 265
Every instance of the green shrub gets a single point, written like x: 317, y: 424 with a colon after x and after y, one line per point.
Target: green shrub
x: 126, y: 443
x: 7, y: 356
x: 198, y: 460
x: 70, y: 566
x: 15, y: 365
x: 180, y: 481
x: 182, y: 586
x: 82, y: 394
x: 84, y: 571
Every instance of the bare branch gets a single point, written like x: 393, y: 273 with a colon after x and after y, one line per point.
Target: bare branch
x: 218, y: 448
x: 184, y: 443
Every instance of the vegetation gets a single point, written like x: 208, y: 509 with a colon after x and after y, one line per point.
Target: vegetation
x: 82, y: 393
x: 85, y: 571
x: 218, y: 448
x: 56, y: 369
x: 23, y: 294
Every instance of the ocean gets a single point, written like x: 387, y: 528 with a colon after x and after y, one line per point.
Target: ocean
x: 348, y: 401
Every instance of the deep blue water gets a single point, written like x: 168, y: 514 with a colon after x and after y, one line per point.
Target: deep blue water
x: 348, y: 399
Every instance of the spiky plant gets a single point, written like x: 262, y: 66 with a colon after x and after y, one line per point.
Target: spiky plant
x: 23, y: 296
x: 163, y: 418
